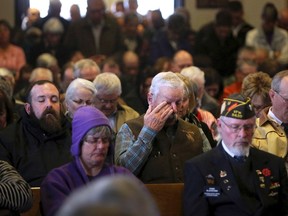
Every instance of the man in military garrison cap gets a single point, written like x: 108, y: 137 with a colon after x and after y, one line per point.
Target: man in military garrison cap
x: 233, y: 178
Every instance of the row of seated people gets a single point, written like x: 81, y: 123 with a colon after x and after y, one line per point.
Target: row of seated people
x: 153, y: 147
x: 45, y: 134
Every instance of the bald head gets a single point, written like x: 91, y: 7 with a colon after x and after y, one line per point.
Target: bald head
x: 181, y: 59
x: 130, y: 63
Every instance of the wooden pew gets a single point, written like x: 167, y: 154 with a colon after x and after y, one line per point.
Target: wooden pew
x: 35, y: 210
x: 169, y: 198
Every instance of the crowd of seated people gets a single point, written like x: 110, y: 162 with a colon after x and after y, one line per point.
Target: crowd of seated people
x: 157, y: 85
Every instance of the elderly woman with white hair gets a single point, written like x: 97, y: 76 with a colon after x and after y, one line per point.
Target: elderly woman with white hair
x: 109, y: 90
x: 194, y: 74
x: 205, y: 101
x: 80, y: 92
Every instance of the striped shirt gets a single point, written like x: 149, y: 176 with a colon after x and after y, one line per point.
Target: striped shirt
x: 15, y: 192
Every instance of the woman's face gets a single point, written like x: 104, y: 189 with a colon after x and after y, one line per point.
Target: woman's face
x: 184, y: 108
x: 4, y: 34
x: 94, y: 150
x: 258, y: 104
x: 81, y: 97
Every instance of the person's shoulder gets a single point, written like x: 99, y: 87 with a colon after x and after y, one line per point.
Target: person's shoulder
x: 129, y: 110
x: 281, y: 31
x: 206, y: 28
x: 110, y: 20
x: 187, y: 124
x: 5, y: 165
x: 16, y: 48
x: 264, y: 155
x: 12, y: 128
x: 81, y: 23
x: 204, y: 158
x: 247, y: 26
x: 136, y: 121
x: 253, y: 32
x: 120, y: 170
x: 59, y: 173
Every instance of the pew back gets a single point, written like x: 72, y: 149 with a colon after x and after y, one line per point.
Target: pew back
x: 168, y: 197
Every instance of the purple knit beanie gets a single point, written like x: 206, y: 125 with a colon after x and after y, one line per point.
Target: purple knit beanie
x: 84, y: 119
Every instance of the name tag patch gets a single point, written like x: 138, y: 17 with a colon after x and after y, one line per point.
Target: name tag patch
x: 212, y: 191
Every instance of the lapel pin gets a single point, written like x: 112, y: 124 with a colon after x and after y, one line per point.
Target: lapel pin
x: 223, y: 174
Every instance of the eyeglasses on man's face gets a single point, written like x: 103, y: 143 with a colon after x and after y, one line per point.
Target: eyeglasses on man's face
x: 283, y: 98
x: 104, y: 101
x: 235, y: 128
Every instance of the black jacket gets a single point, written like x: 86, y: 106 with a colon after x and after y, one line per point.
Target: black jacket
x: 32, y: 152
x: 211, y: 187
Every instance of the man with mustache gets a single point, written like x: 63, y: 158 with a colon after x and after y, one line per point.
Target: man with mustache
x: 234, y: 179
x: 155, y: 145
x: 40, y: 140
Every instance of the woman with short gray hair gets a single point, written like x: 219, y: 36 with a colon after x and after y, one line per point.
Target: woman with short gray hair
x: 80, y: 92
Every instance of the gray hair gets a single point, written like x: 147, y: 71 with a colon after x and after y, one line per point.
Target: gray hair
x: 8, y: 75
x: 165, y: 79
x: 194, y: 74
x: 111, y: 195
x: 46, y: 60
x: 84, y: 63
x: 6, y: 88
x: 108, y: 83
x: 54, y: 26
x: 38, y: 74
x: 76, y: 85
x: 276, y: 81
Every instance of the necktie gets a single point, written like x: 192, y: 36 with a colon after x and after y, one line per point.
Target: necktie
x: 241, y: 158
x: 285, y: 126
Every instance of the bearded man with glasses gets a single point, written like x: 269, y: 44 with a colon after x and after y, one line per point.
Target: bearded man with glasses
x: 233, y: 178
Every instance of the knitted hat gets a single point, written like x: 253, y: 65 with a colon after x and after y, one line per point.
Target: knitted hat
x: 238, y: 107
x: 85, y: 118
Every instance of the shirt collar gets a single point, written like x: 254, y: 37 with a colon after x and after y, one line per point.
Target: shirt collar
x: 272, y: 116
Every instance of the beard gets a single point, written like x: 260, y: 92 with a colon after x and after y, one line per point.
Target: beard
x: 49, y: 121
x: 240, y: 150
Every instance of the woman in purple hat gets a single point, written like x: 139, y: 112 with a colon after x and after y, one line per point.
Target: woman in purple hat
x: 92, y: 149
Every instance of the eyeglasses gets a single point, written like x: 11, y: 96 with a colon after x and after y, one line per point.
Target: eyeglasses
x: 97, y: 141
x: 237, y: 128
x: 103, y: 101
x: 284, y: 99
x: 82, y: 102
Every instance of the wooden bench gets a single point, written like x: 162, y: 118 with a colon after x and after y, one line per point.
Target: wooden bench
x: 35, y: 210
x: 169, y: 198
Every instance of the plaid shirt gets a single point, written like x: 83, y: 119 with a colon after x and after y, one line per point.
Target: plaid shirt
x: 130, y: 152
